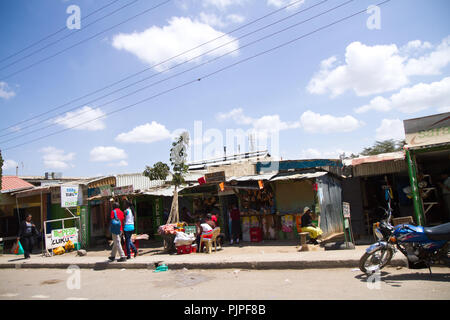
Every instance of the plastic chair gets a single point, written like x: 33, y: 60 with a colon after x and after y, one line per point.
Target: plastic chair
x: 210, y: 241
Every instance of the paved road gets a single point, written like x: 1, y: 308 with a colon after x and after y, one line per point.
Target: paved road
x: 228, y: 284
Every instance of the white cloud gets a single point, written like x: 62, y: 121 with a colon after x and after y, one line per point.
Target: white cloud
x: 147, y: 133
x: 82, y: 119
x: 316, y: 123
x: 235, y: 18
x: 413, y: 99
x: 432, y: 63
x: 215, y: 21
x: 390, y: 129
x: 367, y: 70
x: 263, y: 125
x: 121, y: 163
x: 9, y: 164
x: 283, y: 3
x: 155, y: 44
x: 5, y: 91
x: 107, y: 154
x: 56, y: 158
x: 376, y: 69
x: 223, y: 4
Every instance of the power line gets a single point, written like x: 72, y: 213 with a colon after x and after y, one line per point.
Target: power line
x: 204, y: 77
x: 54, y: 33
x: 173, y: 67
x: 85, y: 40
x: 67, y: 36
x: 158, y: 64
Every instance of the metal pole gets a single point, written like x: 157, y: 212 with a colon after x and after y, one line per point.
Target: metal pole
x: 417, y: 201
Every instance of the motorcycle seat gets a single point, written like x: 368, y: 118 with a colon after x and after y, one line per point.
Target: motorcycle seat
x: 438, y: 233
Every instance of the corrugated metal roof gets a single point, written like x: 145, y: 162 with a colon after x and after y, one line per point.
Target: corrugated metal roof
x: 400, y: 155
x: 298, y: 176
x: 164, y: 191
x: 14, y: 183
x: 266, y: 176
x: 137, y: 180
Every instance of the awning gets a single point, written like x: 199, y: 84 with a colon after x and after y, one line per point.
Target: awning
x: 165, y: 191
x: 298, y: 176
x: 266, y: 176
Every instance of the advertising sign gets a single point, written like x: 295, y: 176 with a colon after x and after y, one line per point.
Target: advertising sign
x: 346, y: 209
x: 59, y: 237
x: 429, y: 130
x: 71, y: 196
x: 119, y: 191
x: 215, y: 177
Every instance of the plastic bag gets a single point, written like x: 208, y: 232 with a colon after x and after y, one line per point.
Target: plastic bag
x: 182, y: 239
x: 17, y: 248
x: 69, y: 246
x: 58, y: 251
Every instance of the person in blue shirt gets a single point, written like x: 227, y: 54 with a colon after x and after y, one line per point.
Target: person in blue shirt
x: 128, y: 229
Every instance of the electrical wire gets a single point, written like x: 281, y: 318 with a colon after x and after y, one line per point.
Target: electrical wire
x: 203, y: 77
x: 69, y: 35
x: 185, y: 62
x: 153, y: 66
x: 54, y: 33
x: 85, y: 40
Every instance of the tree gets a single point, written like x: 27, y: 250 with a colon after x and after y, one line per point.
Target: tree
x: 160, y: 171
x: 385, y: 146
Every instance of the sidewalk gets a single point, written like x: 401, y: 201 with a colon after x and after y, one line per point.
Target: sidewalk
x: 264, y: 255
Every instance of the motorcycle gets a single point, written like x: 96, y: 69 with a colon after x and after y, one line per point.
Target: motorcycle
x: 422, y: 246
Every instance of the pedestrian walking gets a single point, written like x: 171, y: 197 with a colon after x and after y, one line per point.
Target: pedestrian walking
x: 128, y: 229
x: 117, y: 219
x: 235, y: 216
x: 27, y: 232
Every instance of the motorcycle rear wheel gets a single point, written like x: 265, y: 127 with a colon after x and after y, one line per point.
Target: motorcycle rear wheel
x: 377, y: 260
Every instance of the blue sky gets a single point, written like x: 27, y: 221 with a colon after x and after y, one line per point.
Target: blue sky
x: 337, y: 90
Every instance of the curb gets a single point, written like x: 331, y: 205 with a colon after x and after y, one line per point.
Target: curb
x: 252, y: 265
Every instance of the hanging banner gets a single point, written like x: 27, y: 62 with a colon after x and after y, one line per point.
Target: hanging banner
x: 71, y: 196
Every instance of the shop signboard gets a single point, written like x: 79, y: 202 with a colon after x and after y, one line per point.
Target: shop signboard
x: 119, y: 191
x: 429, y: 130
x: 71, y: 196
x: 84, y: 223
x: 105, y: 191
x: 60, y: 237
x: 215, y: 177
x: 346, y: 209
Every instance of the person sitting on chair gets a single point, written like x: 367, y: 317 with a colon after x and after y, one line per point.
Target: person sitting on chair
x: 308, y: 226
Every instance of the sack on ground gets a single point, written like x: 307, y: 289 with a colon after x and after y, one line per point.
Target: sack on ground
x: 182, y: 239
x: 58, y: 251
x: 69, y: 246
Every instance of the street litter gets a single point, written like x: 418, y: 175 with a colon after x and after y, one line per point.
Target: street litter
x: 161, y: 268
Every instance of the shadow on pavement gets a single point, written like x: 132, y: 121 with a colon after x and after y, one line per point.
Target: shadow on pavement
x: 395, y: 279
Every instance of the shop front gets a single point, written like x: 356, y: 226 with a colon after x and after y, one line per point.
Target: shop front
x: 365, y: 187
x: 428, y: 158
